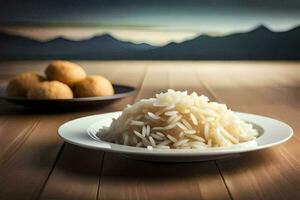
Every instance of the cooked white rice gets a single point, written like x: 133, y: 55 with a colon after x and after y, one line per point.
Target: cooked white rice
x: 177, y: 120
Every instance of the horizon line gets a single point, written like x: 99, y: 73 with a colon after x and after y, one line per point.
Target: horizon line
x: 116, y: 38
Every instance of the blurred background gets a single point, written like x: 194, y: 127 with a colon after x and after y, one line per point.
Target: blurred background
x: 150, y: 30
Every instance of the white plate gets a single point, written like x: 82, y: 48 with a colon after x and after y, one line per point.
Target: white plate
x: 82, y: 132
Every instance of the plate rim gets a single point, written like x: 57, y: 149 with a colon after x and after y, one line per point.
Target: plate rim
x: 106, y: 146
x: 76, y: 99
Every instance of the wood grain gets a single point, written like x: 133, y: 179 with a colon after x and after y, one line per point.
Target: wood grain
x: 127, y: 179
x: 77, y: 172
x: 272, y: 173
x: 36, y: 164
x: 26, y: 170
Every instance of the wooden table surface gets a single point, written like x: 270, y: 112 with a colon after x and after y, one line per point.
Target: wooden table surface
x: 36, y: 164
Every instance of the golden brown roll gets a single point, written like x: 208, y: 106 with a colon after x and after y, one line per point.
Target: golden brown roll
x: 50, y: 90
x: 93, y: 86
x: 20, y: 85
x: 65, y: 71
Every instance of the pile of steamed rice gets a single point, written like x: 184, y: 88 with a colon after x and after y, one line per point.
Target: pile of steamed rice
x: 176, y: 120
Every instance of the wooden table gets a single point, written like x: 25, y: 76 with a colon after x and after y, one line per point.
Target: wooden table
x: 36, y: 164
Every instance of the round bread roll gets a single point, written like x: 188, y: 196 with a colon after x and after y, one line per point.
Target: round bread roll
x: 50, y: 90
x: 65, y: 71
x: 20, y: 85
x: 93, y: 86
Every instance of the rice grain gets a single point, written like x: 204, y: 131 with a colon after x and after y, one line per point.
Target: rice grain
x: 152, y: 141
x: 138, y: 134
x: 137, y: 123
x: 153, y: 116
x: 177, y: 120
x: 180, y: 142
x: 171, y: 138
x: 160, y: 134
x: 193, y: 118
x: 171, y: 113
x: 186, y: 123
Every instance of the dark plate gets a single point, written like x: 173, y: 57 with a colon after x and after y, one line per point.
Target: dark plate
x: 121, y: 91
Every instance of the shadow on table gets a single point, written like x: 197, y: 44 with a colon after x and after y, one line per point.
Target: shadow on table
x: 122, y: 176
x: 73, y: 160
x: 123, y: 166
x: 82, y: 161
x: 10, y: 109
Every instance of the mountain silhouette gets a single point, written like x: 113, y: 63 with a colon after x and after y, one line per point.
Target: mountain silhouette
x: 260, y: 43
x: 98, y: 47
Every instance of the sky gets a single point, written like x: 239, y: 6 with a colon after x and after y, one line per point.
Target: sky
x: 152, y: 21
